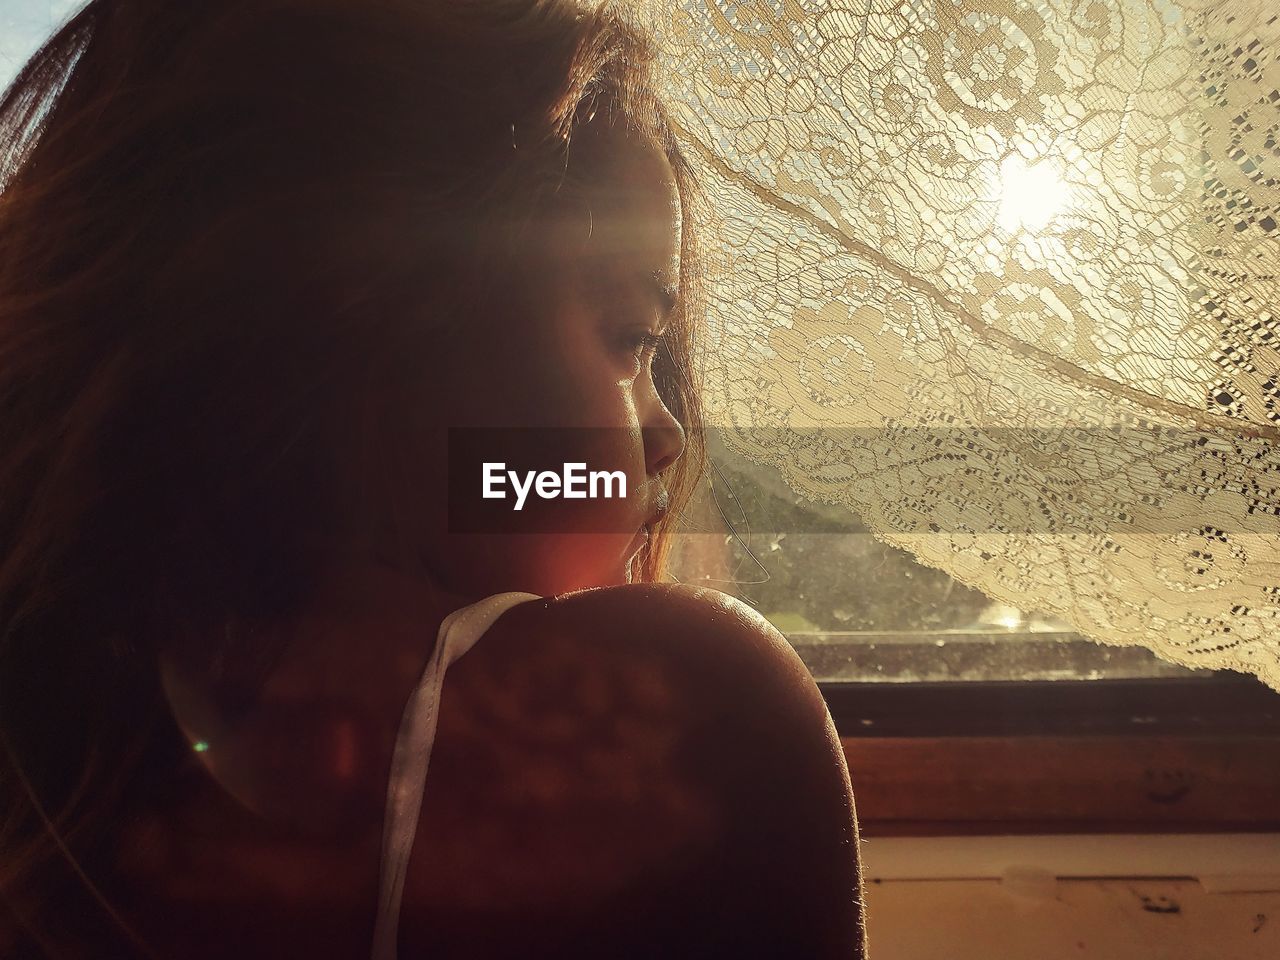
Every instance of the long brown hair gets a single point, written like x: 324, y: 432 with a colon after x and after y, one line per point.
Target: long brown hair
x: 214, y: 220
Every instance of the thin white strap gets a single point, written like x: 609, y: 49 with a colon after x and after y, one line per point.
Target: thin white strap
x: 458, y: 633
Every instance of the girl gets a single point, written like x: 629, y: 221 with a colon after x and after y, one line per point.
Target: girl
x: 274, y: 276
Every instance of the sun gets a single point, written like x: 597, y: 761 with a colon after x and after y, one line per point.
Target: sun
x: 1030, y: 195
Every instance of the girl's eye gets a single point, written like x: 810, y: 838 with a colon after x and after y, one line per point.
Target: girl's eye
x: 644, y: 344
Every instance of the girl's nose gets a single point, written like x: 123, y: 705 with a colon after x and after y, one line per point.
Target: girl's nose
x: 663, y: 443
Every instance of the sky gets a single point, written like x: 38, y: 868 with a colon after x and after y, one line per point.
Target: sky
x: 24, y: 25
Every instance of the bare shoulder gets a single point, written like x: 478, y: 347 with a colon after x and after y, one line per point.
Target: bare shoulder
x: 665, y: 603
x: 723, y: 671
x: 628, y: 770
x: 704, y: 635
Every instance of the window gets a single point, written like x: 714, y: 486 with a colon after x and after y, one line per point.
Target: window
x: 962, y: 715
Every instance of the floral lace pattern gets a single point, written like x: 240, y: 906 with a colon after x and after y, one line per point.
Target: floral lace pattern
x: 1001, y: 277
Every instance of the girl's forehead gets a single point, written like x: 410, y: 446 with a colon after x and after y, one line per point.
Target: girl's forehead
x: 623, y: 201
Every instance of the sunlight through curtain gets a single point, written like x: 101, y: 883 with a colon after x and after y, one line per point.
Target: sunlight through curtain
x: 1002, y: 278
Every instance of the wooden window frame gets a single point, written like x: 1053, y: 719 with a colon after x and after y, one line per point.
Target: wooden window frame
x: 1167, y: 755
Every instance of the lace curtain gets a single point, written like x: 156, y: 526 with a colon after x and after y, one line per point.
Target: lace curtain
x: 1002, y: 277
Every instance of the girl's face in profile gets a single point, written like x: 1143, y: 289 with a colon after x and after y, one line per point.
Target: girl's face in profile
x: 570, y: 380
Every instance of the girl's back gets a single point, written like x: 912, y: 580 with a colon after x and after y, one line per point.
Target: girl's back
x: 633, y: 771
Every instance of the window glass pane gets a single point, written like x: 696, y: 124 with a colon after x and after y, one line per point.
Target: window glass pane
x: 858, y: 609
